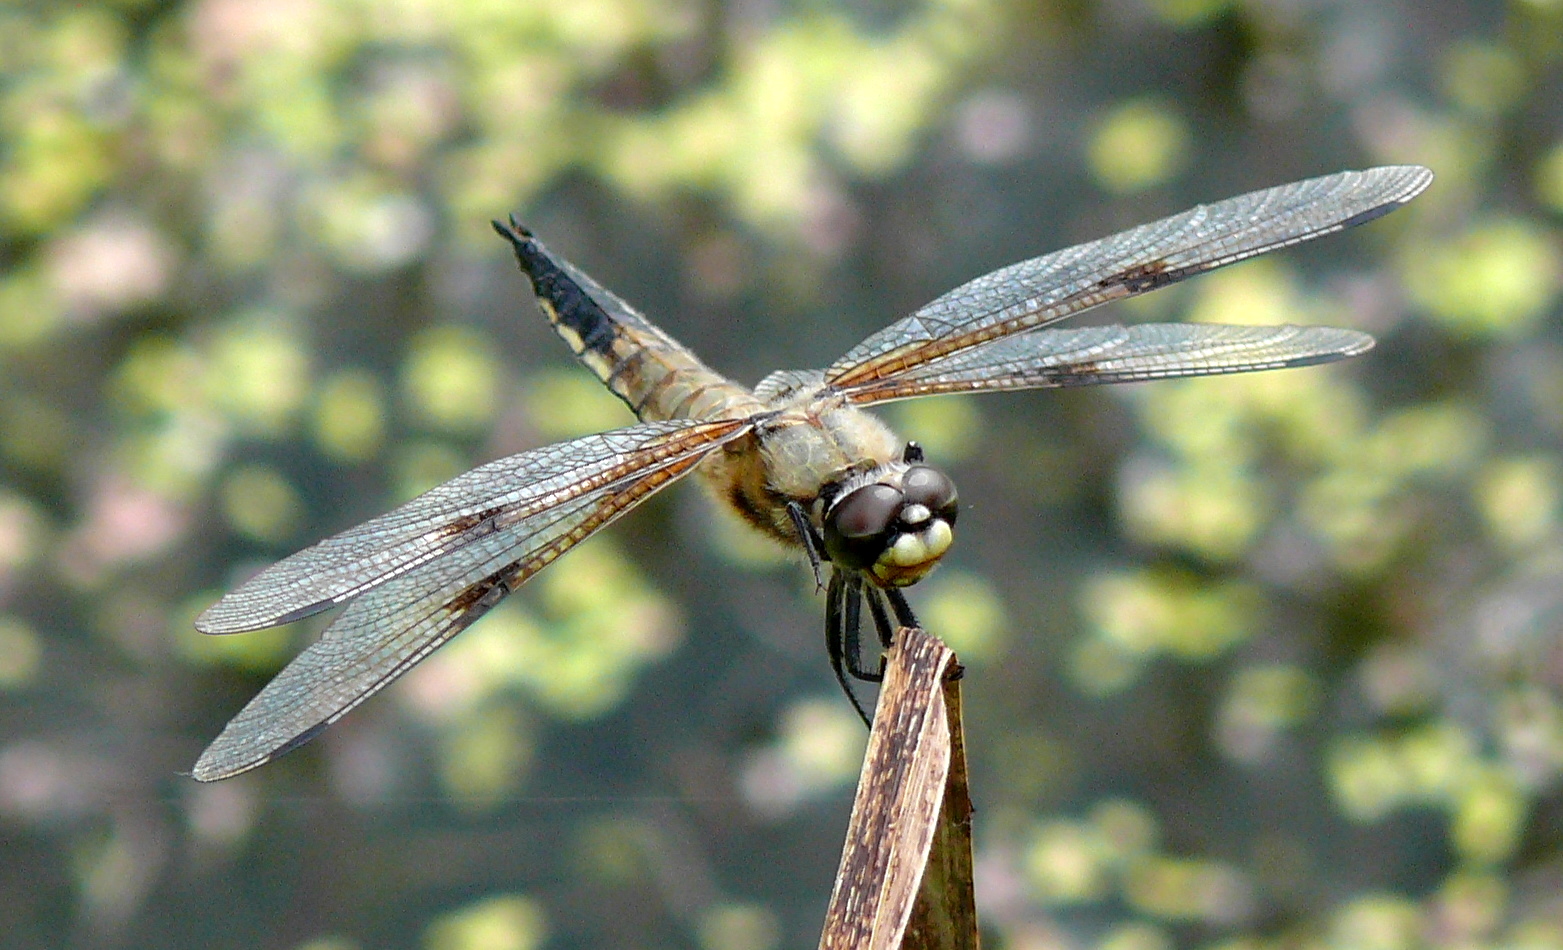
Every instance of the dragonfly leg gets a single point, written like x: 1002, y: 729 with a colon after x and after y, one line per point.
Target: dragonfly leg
x: 843, y: 604
x: 813, y: 544
x: 886, y: 631
x: 903, y: 610
x: 854, y: 629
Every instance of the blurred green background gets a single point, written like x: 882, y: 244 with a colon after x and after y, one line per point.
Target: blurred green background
x: 1267, y: 661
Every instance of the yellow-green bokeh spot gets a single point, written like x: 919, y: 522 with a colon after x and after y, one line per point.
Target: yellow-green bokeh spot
x: 329, y: 943
x: 30, y: 310
x: 1496, y: 279
x: 21, y: 652
x: 59, y: 152
x: 506, y: 922
x: 1367, y: 778
x: 1126, y: 829
x: 1135, y: 936
x: 949, y: 428
x: 37, y: 433
x: 160, y: 375
x: 22, y: 532
x: 349, y: 417
x: 738, y: 926
x: 1262, y: 292
x: 1439, y: 758
x: 1474, y: 904
x: 1065, y: 863
x: 965, y: 611
x: 1269, y: 698
x: 1483, y: 77
x: 1355, y: 506
x: 259, y: 504
x: 884, y: 102
x: 1489, y: 818
x: 1138, y: 145
x: 452, y: 378
x: 1439, y: 439
x: 822, y: 741
x: 610, y: 850
x: 1518, y: 498
x: 1372, y: 776
x: 1210, y: 509
x: 1538, y: 932
x: 1183, y: 889
x: 564, y: 403
x: 332, y: 942
x: 1377, y: 922
x: 1549, y: 179
x: 1101, y: 667
x: 1165, y: 611
x: 258, y: 371
x: 1188, y: 14
x: 172, y: 455
x: 370, y: 225
x: 484, y: 756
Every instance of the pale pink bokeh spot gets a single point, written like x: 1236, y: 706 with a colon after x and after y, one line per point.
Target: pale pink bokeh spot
x: 123, y: 523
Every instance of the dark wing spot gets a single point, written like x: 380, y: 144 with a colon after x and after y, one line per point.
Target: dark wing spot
x: 478, y: 599
x: 1140, y: 277
x: 484, y: 519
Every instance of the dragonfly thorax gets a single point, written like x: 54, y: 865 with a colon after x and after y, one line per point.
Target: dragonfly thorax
x: 894, y: 523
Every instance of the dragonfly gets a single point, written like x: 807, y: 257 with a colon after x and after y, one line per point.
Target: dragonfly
x: 798, y: 457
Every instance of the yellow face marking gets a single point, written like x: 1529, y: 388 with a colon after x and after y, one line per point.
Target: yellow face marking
x: 939, y: 538
x: 913, y: 555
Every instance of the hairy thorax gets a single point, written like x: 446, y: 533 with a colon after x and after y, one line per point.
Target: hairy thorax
x: 792, y: 456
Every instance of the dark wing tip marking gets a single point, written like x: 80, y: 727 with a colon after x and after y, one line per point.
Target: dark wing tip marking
x: 219, y: 762
x: 229, y: 615
x: 1373, y: 214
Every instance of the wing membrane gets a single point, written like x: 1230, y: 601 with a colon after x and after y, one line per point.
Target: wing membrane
x: 409, y: 613
x: 491, y: 498
x: 1034, y: 293
x: 1117, y: 354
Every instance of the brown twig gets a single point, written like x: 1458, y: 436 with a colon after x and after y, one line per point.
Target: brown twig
x: 905, y: 878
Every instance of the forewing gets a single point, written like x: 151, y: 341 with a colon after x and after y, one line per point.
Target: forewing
x: 451, y: 517
x: 387, y: 630
x: 1048, y: 359
x: 1044, y: 290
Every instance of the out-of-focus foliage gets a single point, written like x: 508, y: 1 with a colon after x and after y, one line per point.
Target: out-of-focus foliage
x: 1253, y: 662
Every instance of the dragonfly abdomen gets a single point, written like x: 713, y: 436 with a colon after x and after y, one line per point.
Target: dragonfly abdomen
x: 655, y: 375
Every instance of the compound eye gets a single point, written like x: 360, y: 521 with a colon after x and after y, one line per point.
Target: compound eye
x: 867, y: 512
x: 858, y: 527
x: 931, y: 488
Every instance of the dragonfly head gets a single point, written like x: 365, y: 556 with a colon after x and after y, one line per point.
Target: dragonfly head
x: 894, y: 523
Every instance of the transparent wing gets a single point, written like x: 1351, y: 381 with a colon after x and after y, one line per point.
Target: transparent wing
x: 409, y: 611
x: 496, y: 497
x: 1091, y: 355
x: 1044, y: 290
